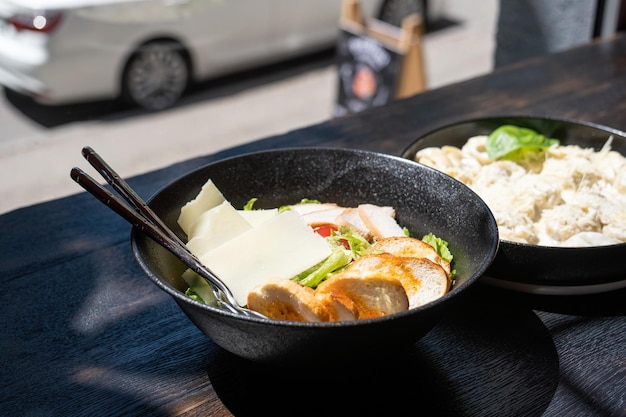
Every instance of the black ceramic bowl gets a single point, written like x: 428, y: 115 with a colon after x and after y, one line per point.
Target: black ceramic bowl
x: 425, y: 201
x: 542, y: 269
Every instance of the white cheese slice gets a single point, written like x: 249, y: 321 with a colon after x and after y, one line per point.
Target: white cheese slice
x: 208, y: 197
x: 215, y: 227
x: 256, y: 217
x: 280, y: 247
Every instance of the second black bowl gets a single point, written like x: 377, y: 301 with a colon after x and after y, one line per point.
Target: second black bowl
x: 543, y: 269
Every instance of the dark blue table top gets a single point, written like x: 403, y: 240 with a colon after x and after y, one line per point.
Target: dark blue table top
x: 84, y: 332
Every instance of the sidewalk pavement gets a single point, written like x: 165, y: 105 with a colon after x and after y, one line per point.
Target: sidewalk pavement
x: 151, y: 141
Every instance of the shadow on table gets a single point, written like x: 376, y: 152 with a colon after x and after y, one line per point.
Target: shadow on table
x: 463, y: 367
x: 601, y: 304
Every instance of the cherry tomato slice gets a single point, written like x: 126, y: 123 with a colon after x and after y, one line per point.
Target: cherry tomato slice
x: 325, y: 230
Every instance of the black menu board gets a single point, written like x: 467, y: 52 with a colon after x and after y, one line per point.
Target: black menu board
x: 368, y: 72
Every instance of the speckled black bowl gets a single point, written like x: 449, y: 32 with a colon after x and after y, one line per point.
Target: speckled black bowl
x: 425, y: 201
x: 541, y: 269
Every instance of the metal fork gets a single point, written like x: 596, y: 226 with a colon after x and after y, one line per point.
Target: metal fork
x: 139, y: 214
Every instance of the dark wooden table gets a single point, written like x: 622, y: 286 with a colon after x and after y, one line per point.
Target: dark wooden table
x: 85, y: 333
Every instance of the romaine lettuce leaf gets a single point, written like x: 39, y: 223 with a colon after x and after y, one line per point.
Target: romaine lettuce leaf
x: 357, y: 243
x: 440, y: 245
x: 338, y: 259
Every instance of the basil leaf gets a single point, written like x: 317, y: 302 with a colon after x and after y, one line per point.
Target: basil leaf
x: 516, y: 143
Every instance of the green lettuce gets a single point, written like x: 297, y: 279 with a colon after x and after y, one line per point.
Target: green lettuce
x: 357, y: 243
x: 338, y: 259
x: 199, y: 289
x: 250, y: 204
x: 440, y: 245
x: 517, y: 143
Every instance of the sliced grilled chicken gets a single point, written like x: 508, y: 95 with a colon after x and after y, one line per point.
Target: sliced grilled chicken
x: 340, y: 306
x: 374, y: 295
x: 369, y: 220
x: 284, y: 299
x: 380, y: 221
x: 410, y: 247
x: 350, y: 218
x: 304, y: 208
x: 321, y: 217
x: 422, y: 279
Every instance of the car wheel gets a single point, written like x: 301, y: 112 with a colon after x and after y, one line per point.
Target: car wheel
x: 156, y: 75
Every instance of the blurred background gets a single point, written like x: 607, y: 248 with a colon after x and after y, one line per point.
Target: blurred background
x: 151, y: 83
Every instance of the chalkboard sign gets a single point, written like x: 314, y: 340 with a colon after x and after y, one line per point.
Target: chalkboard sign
x: 377, y: 62
x: 368, y: 72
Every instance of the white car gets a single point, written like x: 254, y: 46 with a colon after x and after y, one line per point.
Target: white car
x: 149, y: 51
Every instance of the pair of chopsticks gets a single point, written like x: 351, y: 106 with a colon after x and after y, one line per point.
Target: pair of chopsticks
x: 140, y: 215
